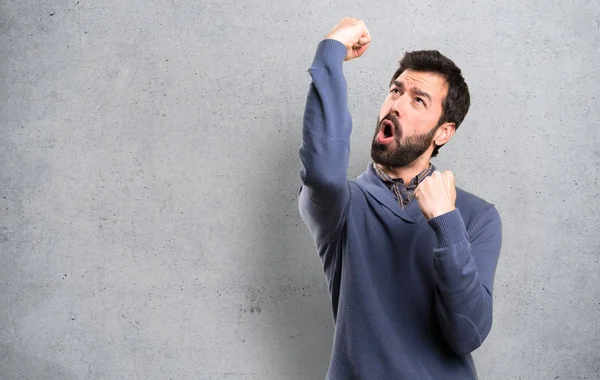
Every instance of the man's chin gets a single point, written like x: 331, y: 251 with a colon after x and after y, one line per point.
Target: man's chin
x: 379, y: 153
x: 379, y: 147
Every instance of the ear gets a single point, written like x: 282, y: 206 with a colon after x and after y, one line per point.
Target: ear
x: 444, y: 133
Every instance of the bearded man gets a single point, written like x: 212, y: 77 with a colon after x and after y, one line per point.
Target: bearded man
x: 409, y: 258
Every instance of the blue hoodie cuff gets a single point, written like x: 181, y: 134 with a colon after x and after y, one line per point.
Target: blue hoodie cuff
x: 449, y: 228
x: 330, y: 53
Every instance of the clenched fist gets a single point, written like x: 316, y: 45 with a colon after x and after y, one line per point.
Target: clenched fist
x: 353, y: 33
x: 436, y: 194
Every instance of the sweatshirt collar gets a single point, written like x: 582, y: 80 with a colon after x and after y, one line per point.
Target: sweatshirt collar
x: 371, y: 182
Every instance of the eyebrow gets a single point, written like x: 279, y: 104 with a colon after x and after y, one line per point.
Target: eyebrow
x: 414, y: 90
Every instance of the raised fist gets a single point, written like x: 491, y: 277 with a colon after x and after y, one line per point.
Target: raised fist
x: 353, y: 33
x: 436, y: 194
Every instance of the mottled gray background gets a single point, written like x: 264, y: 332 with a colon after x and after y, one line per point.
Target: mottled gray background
x: 149, y: 166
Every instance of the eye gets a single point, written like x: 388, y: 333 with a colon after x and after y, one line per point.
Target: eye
x: 420, y: 100
x: 395, y: 90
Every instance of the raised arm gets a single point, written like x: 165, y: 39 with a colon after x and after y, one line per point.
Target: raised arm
x: 325, y: 149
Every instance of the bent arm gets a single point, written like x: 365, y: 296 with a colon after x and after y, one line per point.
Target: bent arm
x: 464, y: 270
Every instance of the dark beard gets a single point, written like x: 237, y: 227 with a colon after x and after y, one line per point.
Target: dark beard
x: 405, y: 152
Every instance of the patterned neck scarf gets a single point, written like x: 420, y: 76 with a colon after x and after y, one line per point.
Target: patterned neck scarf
x: 403, y: 194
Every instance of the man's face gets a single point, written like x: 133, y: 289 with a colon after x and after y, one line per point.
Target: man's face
x: 407, y: 121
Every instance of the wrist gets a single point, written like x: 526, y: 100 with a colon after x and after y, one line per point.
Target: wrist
x: 336, y: 37
x: 438, y: 212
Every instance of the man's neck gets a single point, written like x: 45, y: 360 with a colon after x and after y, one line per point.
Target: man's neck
x: 408, y: 172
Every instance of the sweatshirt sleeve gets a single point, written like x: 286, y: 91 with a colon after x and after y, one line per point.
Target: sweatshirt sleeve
x: 464, y: 270
x: 324, y: 153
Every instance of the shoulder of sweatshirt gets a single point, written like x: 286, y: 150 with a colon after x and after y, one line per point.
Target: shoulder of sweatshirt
x: 474, y: 208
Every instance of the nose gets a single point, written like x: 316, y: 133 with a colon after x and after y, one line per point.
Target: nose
x: 398, y: 105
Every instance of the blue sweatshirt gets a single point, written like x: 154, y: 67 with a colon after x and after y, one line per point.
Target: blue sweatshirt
x: 411, y: 298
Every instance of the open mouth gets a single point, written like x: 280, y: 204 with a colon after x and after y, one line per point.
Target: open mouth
x: 387, y: 128
x: 386, y: 132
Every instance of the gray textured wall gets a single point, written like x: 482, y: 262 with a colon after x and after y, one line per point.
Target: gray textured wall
x: 149, y: 166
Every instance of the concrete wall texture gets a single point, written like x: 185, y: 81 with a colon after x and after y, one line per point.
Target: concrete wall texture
x: 149, y: 167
